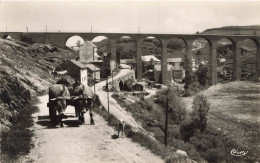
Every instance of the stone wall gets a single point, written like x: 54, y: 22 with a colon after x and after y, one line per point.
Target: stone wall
x: 116, y: 81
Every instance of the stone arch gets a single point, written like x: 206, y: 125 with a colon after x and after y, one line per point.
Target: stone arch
x: 151, y: 56
x: 248, y: 49
x: 126, y: 48
x: 72, y: 42
x: 176, y: 50
x: 103, y: 43
x: 201, y: 50
x: 226, y: 53
x: 121, y: 85
x: 200, y: 53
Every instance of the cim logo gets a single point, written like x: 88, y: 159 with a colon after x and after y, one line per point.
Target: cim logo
x: 235, y: 152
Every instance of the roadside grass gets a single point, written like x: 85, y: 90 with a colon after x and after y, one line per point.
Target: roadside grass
x: 167, y: 153
x: 17, y: 140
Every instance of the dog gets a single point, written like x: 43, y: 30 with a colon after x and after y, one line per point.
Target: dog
x: 121, y: 127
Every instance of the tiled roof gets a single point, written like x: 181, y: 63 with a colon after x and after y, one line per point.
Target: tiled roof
x: 174, y: 59
x: 77, y: 63
x: 92, y: 67
x: 148, y: 58
x: 92, y: 44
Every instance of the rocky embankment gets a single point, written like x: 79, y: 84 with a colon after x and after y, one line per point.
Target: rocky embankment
x: 22, y: 76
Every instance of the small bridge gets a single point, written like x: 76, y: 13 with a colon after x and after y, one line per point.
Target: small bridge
x: 59, y: 39
x: 119, y: 82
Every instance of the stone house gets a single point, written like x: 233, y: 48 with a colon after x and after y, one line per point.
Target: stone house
x: 93, y: 72
x: 75, y: 69
x: 88, y: 52
x: 174, y: 69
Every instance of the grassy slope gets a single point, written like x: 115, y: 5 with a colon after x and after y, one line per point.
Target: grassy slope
x: 22, y: 76
x: 234, y: 115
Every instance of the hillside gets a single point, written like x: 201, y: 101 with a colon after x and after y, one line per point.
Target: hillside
x: 234, y: 30
x: 24, y: 73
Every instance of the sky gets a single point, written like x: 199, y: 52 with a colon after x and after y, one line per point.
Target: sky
x: 176, y: 17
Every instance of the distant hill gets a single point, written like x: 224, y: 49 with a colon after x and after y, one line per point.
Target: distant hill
x: 234, y: 30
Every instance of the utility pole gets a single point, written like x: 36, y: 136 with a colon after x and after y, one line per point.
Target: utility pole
x: 112, y: 78
x: 107, y: 96
x: 166, y: 123
x: 94, y: 92
x: 27, y: 29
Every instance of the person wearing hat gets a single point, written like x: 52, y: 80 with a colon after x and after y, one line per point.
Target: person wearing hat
x: 76, y: 84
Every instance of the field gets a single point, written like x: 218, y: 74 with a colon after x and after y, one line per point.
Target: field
x: 235, y: 116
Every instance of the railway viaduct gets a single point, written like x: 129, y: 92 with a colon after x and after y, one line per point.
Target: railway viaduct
x: 59, y: 39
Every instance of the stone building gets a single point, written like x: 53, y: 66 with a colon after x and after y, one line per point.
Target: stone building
x: 93, y: 72
x: 88, y: 52
x: 76, y: 70
x: 178, y: 72
x: 175, y: 70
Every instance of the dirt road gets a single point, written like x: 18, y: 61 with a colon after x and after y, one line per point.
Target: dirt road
x: 77, y: 143
x: 114, y: 107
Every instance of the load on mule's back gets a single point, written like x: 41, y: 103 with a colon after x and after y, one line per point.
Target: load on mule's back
x: 58, y: 94
x: 82, y: 100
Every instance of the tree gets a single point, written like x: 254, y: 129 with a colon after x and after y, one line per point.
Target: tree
x: 200, y: 111
x: 78, y: 43
x: 176, y: 109
x: 187, y: 65
x: 202, y: 74
x: 151, y: 61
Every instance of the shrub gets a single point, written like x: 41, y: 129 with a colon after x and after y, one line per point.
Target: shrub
x: 128, y: 84
x: 175, y: 132
x: 16, y: 141
x: 200, y: 111
x: 188, y: 148
x: 178, y: 112
x: 202, y: 74
x: 209, y: 146
x: 187, y: 130
x: 187, y: 65
x: 176, y: 109
x: 148, y: 105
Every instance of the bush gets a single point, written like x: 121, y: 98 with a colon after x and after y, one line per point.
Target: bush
x: 17, y: 141
x: 188, y: 148
x: 187, y: 130
x: 202, y: 74
x: 200, y: 111
x: 209, y: 146
x: 187, y: 65
x: 128, y: 84
x: 148, y: 105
